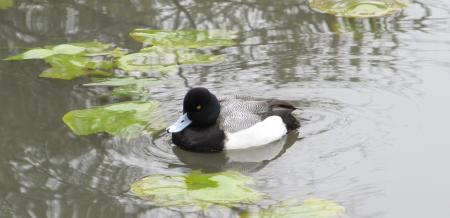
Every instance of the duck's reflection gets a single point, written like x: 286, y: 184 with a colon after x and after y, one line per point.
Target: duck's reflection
x: 245, y: 160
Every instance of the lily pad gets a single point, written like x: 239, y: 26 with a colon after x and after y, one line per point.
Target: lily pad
x: 131, y: 91
x: 81, y: 49
x: 129, y: 118
x: 37, y: 53
x: 145, y: 62
x: 68, y: 67
x: 5, y: 4
x: 168, y: 56
x: 127, y: 87
x: 123, y: 82
x: 95, y: 48
x: 184, y: 38
x: 68, y: 49
x: 164, y: 59
x: 358, y: 8
x: 310, y: 208
x: 196, y: 189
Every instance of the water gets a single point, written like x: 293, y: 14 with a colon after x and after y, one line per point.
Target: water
x: 374, y: 91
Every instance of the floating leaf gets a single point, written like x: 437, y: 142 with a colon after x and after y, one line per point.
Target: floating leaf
x: 37, y: 53
x: 358, y: 8
x: 5, y: 4
x: 81, y: 49
x: 68, y: 67
x: 164, y: 59
x: 100, y: 49
x: 184, y: 38
x: 143, y: 62
x: 130, y: 91
x: 127, y: 87
x: 118, y: 52
x: 311, y: 208
x: 92, y: 48
x: 129, y: 118
x: 68, y: 49
x: 123, y: 82
x: 179, y: 56
x: 196, y: 189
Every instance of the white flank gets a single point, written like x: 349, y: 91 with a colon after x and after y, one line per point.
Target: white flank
x: 269, y: 130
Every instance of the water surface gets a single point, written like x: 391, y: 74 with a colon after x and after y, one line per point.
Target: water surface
x: 375, y: 93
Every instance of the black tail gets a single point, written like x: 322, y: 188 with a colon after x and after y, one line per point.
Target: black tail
x: 288, y: 119
x: 284, y: 110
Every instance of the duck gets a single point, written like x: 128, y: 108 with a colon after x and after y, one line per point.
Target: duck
x: 209, y: 124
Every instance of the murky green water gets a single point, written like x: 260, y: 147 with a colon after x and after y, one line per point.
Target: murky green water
x: 375, y: 92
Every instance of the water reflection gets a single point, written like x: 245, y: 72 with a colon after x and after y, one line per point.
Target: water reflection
x: 248, y: 160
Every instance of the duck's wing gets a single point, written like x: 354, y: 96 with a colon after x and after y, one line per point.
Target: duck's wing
x: 241, y: 112
x: 273, y: 104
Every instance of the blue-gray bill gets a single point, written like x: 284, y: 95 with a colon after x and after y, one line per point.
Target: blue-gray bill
x: 180, y: 124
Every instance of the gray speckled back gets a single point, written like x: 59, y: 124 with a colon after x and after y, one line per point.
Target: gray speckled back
x: 240, y: 112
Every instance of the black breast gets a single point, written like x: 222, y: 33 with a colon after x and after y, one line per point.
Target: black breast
x: 210, y: 139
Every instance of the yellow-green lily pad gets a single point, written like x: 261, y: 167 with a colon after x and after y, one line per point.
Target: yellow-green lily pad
x: 184, y: 38
x: 129, y: 118
x: 358, y: 8
x: 310, y: 208
x: 197, y: 189
x: 124, y: 82
x: 68, y: 67
x: 81, y: 49
x: 37, y: 53
x: 130, y: 87
x: 5, y: 4
x: 164, y: 59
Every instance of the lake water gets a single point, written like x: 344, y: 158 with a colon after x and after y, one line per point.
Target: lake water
x: 374, y: 93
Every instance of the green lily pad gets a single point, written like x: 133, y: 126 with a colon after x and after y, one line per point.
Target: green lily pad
x: 127, y: 87
x: 68, y: 67
x: 5, y: 4
x: 101, y: 49
x: 130, y: 91
x: 128, y: 118
x: 310, y: 208
x: 81, y: 49
x: 196, y: 189
x: 184, y: 38
x: 123, y: 82
x: 164, y: 59
x: 358, y: 8
x: 68, y: 49
x: 94, y: 48
x: 37, y: 53
x: 171, y: 56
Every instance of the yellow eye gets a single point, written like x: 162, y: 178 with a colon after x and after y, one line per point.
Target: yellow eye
x: 198, y: 107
